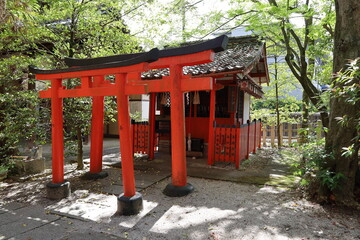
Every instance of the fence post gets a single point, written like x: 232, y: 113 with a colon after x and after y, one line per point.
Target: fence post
x: 260, y: 129
x: 248, y: 139
x: 264, y: 136
x: 289, y: 135
x: 272, y: 135
x: 255, y: 130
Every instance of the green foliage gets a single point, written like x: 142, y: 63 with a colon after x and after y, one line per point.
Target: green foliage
x: 3, y: 169
x: 136, y: 116
x: 86, y: 28
x: 330, y: 179
x: 313, y: 158
x: 269, y: 103
x: 301, y: 31
x: 42, y: 33
x: 347, y: 86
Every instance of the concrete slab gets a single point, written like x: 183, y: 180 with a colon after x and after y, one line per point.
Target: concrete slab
x: 11, y: 206
x: 54, y: 230
x: 34, y: 213
x: 98, y: 207
x: 89, y: 234
x: 23, y: 222
x: 86, y: 206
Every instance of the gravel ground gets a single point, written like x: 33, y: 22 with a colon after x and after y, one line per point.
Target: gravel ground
x: 215, y: 210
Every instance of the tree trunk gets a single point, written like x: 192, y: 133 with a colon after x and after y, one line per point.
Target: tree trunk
x: 305, y: 118
x: 277, y: 104
x: 79, y: 149
x: 346, y: 46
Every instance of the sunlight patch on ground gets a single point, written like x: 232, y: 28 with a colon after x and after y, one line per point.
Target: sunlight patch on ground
x: 271, y: 190
x: 88, y: 206
x: 178, y: 217
x: 130, y: 221
x: 97, y: 207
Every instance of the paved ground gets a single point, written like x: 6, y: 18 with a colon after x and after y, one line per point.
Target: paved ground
x: 251, y: 203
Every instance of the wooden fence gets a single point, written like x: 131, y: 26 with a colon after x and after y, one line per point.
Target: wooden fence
x: 289, y: 133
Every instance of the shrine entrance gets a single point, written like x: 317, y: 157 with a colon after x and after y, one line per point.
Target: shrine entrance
x: 127, y: 70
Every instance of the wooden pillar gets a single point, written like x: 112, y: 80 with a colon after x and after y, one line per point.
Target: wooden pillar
x: 126, y: 146
x: 179, y: 186
x: 177, y: 128
x: 97, y: 130
x: 272, y: 136
x: 152, y: 109
x: 57, y: 135
x: 211, y: 142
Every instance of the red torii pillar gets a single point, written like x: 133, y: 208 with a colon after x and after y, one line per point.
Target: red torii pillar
x: 58, y: 188
x: 97, y: 133
x: 130, y: 202
x: 179, y: 186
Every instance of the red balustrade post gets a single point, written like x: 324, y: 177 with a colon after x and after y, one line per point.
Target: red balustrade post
x: 238, y: 146
x: 248, y: 140
x: 130, y: 202
x: 255, y: 136
x: 260, y: 133
x: 58, y: 188
x: 179, y: 186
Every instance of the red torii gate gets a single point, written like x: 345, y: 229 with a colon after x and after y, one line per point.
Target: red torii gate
x: 127, y: 70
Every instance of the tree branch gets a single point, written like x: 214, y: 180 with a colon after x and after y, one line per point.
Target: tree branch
x: 223, y: 24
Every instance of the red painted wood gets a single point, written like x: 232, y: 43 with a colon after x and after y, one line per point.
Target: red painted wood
x: 126, y: 145
x: 97, y: 130
x: 248, y: 141
x: 237, y: 147
x: 178, y: 157
x: 260, y: 134
x: 57, y: 136
x: 227, y: 144
x: 211, y: 139
x: 233, y: 144
x: 152, y: 110
x: 244, y: 129
x: 255, y: 137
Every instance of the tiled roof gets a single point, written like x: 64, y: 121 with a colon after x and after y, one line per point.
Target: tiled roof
x: 241, y: 54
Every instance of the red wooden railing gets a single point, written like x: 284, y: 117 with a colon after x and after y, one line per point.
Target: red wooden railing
x: 225, y: 143
x: 242, y: 144
x: 235, y: 143
x: 140, y: 132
